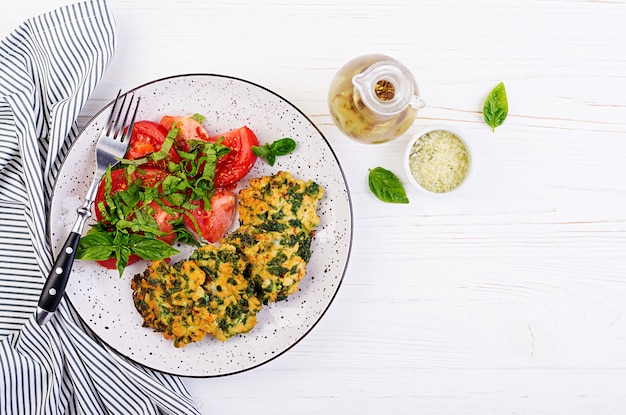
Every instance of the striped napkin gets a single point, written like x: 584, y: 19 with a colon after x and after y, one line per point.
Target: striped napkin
x: 48, y: 67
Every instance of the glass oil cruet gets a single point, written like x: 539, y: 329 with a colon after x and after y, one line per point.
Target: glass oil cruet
x: 374, y: 99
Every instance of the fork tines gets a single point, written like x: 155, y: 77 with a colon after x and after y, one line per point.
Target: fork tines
x: 120, y: 115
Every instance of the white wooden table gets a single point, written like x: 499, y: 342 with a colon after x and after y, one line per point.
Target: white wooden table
x: 507, y: 299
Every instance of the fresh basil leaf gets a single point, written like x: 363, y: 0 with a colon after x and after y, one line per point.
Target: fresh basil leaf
x: 95, y: 253
x: 108, y: 184
x: 171, y: 210
x: 283, y: 146
x: 173, y: 167
x: 150, y: 248
x: 270, y: 159
x: 130, y: 196
x: 270, y: 151
x: 386, y: 186
x: 176, y: 199
x: 132, y: 164
x: 95, y: 246
x: 161, y: 154
x: 496, y: 107
x: 199, y: 117
x: 210, y: 161
x: 108, y: 181
x: 220, y: 149
x: 122, y: 253
x: 102, y: 208
x: 171, y: 183
x: 260, y: 151
x: 141, y: 223
x: 120, y: 239
x: 166, y: 146
x: 194, y: 222
x: 186, y: 237
x: 186, y: 155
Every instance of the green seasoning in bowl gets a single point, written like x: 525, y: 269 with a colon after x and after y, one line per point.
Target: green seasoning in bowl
x: 438, y: 160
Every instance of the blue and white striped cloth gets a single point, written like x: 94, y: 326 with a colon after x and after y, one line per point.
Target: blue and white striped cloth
x: 48, y: 67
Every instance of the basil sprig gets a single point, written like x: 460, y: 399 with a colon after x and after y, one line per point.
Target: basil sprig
x: 270, y: 151
x: 386, y: 186
x: 101, y: 244
x: 496, y: 107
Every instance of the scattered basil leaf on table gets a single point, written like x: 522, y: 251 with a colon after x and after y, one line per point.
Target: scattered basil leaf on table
x: 270, y: 151
x: 386, y: 186
x: 496, y: 107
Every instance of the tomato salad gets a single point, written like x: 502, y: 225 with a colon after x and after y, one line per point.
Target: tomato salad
x: 174, y: 185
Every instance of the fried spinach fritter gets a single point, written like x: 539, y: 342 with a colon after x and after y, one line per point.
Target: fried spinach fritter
x: 172, y: 300
x: 275, y: 264
x: 277, y: 217
x: 280, y: 203
x: 230, y: 294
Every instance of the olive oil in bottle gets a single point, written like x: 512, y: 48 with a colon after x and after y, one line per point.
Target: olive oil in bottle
x: 374, y: 99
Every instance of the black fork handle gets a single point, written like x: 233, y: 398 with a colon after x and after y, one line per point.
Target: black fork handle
x: 55, y: 284
x: 54, y: 287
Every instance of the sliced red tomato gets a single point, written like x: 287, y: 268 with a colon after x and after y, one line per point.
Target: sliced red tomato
x: 150, y: 177
x: 147, y: 138
x: 111, y: 263
x: 235, y: 165
x: 164, y: 220
x: 211, y: 224
x: 189, y: 129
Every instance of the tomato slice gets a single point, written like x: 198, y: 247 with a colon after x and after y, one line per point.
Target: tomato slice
x: 150, y: 177
x: 111, y: 263
x: 147, y: 138
x: 164, y: 221
x: 211, y: 224
x: 235, y: 165
x: 189, y: 129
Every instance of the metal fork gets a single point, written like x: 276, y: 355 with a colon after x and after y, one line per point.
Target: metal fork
x: 111, y: 146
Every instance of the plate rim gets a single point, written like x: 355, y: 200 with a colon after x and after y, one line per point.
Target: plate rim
x: 108, y: 346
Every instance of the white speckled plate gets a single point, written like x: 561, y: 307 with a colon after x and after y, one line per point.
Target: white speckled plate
x: 104, y: 301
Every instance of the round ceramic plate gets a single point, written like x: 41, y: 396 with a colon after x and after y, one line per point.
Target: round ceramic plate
x: 104, y: 300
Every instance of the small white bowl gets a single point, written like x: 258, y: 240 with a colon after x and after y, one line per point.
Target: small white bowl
x: 447, y: 140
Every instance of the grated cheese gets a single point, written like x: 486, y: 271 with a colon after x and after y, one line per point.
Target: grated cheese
x: 439, y: 161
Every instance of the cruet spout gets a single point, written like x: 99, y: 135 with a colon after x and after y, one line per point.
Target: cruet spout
x: 417, y: 102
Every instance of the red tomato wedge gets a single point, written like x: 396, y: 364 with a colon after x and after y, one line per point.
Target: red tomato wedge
x: 164, y: 220
x: 189, y: 129
x: 111, y: 263
x: 147, y: 138
x: 212, y: 224
x: 148, y: 176
x: 235, y: 165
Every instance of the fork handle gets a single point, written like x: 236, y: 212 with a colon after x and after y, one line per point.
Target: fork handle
x: 54, y: 287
